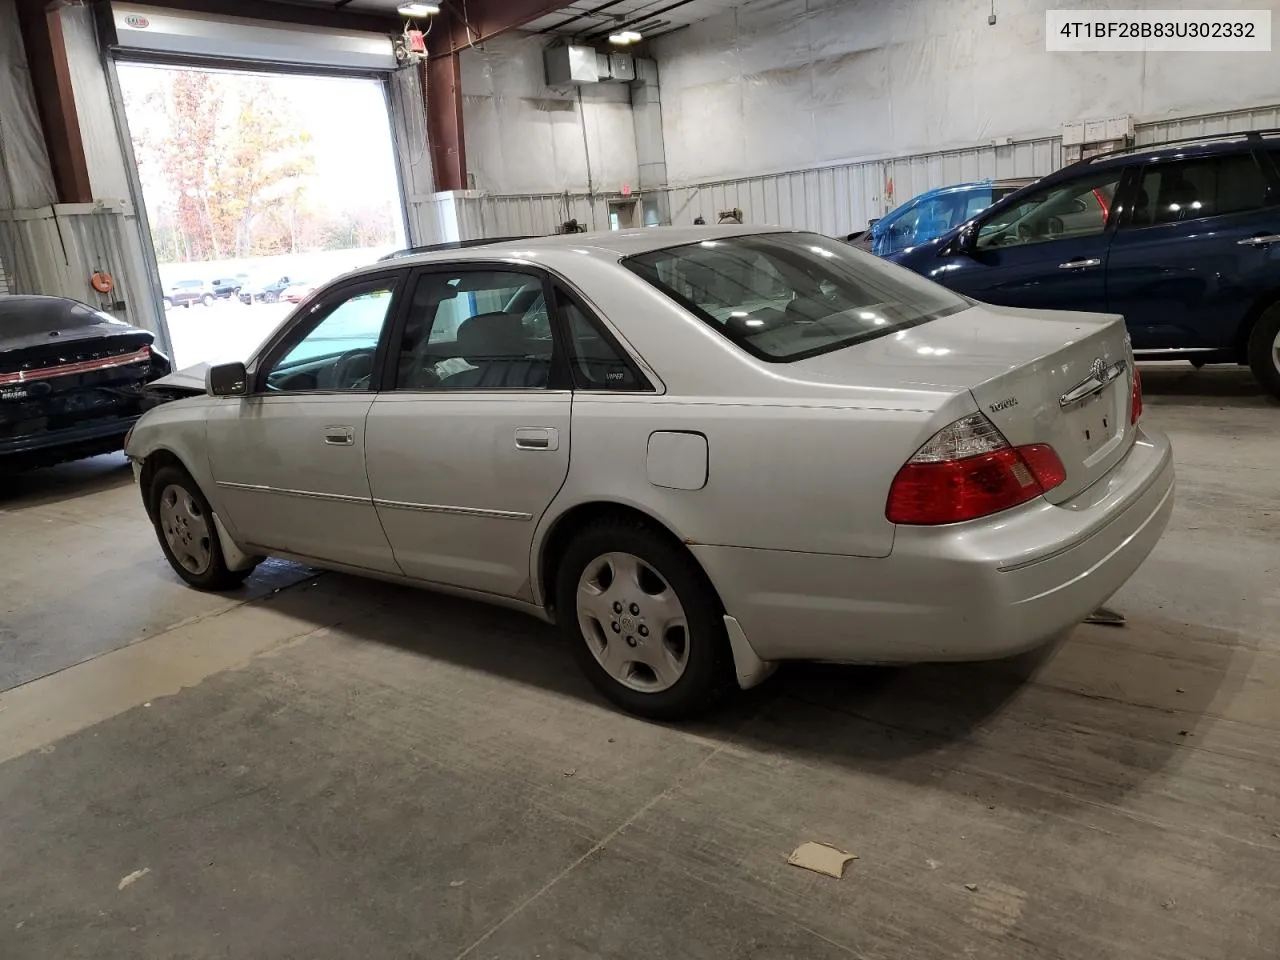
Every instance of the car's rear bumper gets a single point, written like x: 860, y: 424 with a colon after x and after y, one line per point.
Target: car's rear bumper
x: 68, y: 444
x: 970, y: 591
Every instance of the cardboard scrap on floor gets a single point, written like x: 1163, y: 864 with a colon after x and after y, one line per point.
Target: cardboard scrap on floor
x: 821, y: 858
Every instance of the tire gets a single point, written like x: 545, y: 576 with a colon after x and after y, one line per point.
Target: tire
x: 695, y: 662
x: 191, y: 546
x: 270, y: 297
x: 1264, y: 350
x: 207, y: 299
x: 168, y: 303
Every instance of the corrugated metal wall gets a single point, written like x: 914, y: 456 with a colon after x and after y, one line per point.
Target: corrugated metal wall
x: 1256, y: 118
x: 839, y: 200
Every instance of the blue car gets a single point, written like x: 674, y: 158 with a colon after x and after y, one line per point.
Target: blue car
x: 1182, y: 239
x: 931, y: 214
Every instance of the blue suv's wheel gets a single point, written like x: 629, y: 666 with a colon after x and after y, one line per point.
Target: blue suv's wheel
x: 1264, y: 350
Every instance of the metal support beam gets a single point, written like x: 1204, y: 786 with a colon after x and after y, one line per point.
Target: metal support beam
x: 46, y: 51
x: 442, y: 86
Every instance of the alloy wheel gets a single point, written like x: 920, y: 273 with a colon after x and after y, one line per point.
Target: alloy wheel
x: 633, y: 622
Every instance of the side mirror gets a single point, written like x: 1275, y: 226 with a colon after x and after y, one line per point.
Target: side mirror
x: 963, y: 242
x: 227, y: 380
x: 872, y: 222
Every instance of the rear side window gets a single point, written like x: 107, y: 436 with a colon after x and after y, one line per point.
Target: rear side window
x: 787, y: 296
x: 1191, y: 189
x: 598, y: 363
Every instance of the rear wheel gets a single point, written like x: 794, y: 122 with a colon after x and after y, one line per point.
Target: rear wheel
x: 644, y: 622
x: 1264, y: 350
x: 207, y: 299
x: 184, y: 526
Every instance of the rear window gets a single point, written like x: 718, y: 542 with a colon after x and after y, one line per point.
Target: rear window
x: 787, y: 296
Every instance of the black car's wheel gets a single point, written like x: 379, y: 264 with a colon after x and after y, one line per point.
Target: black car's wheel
x: 1264, y: 350
x: 644, y: 622
x: 184, y: 526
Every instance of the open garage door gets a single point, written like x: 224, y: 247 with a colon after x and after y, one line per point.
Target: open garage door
x: 266, y: 160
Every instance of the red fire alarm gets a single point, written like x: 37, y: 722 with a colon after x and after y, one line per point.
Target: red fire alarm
x: 417, y: 40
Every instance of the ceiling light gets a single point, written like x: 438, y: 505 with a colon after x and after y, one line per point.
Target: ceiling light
x: 619, y: 39
x: 632, y: 36
x: 418, y: 9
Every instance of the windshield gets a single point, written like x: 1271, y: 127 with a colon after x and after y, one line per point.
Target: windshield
x: 787, y: 296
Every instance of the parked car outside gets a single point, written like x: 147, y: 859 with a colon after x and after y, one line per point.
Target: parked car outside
x: 975, y: 480
x: 297, y: 291
x: 71, y: 380
x: 226, y: 288
x: 932, y: 213
x: 184, y: 293
x: 264, y: 291
x: 1183, y: 240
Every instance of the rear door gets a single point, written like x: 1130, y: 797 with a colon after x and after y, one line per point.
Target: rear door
x: 1198, y: 247
x: 1050, y: 251
x: 469, y: 441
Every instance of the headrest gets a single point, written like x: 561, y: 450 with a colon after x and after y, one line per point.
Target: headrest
x: 488, y: 336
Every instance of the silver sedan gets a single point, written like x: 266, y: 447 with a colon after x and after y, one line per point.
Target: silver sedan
x: 699, y: 451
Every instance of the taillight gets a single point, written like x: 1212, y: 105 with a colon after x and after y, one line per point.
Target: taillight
x: 969, y: 470
x: 1135, y: 403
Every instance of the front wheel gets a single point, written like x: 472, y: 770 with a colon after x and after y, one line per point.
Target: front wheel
x: 644, y: 622
x: 207, y: 299
x: 1264, y: 350
x: 184, y: 526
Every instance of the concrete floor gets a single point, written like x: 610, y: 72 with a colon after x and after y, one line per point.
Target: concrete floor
x: 344, y: 768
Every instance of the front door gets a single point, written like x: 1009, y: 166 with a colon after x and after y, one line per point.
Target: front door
x: 1200, y: 246
x: 468, y: 443
x: 288, y: 460
x: 1049, y: 252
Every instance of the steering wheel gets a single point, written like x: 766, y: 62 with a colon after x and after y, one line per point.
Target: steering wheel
x: 342, y: 369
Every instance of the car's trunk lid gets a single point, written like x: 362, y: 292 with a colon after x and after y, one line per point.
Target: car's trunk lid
x: 1059, y: 378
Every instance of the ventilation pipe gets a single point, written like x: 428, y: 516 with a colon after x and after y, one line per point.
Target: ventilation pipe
x: 651, y: 152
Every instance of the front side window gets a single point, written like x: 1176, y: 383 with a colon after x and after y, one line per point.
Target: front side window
x: 786, y: 296
x: 1064, y: 211
x: 337, y: 353
x: 476, y: 329
x: 1191, y: 189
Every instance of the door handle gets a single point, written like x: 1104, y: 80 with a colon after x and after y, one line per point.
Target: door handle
x: 1263, y: 241
x: 339, y: 436
x: 537, y: 438
x: 1080, y: 263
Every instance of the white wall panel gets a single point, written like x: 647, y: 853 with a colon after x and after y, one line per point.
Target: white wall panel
x: 778, y: 85
x: 523, y: 137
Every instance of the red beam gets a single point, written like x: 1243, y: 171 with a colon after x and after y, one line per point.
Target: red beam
x: 46, y: 51
x: 442, y: 84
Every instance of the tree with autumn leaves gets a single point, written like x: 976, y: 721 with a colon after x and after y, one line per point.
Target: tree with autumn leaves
x: 235, y: 170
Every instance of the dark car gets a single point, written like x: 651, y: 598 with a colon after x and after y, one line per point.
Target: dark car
x: 225, y: 288
x: 264, y: 292
x: 1182, y: 239
x: 186, y: 292
x: 71, y: 380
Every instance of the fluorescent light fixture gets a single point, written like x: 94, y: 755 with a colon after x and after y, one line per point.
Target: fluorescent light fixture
x: 632, y: 36
x: 625, y: 37
x: 418, y: 9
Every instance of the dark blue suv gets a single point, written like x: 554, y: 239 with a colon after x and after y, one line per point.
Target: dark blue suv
x: 1183, y: 239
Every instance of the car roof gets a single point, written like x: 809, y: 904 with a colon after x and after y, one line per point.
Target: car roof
x: 612, y: 245
x: 1156, y: 152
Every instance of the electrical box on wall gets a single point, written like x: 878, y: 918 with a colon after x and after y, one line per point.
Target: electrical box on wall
x: 571, y: 65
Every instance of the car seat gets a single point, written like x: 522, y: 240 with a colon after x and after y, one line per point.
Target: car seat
x: 496, y: 347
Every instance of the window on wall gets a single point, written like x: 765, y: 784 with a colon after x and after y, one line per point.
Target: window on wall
x: 1191, y: 189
